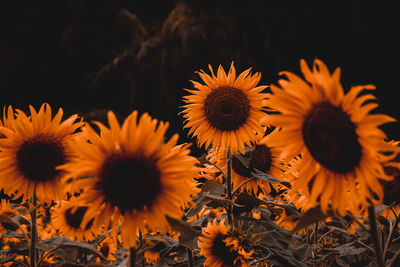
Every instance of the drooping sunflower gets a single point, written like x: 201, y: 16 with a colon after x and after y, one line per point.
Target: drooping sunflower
x: 67, y: 219
x: 227, y: 110
x: 262, y: 157
x: 222, y: 247
x: 335, y: 134
x: 31, y: 148
x: 131, y: 176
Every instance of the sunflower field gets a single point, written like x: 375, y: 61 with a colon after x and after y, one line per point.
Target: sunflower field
x: 297, y: 172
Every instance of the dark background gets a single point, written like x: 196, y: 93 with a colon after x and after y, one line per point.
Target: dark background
x: 92, y: 56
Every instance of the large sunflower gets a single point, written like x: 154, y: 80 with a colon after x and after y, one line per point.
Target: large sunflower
x: 222, y: 247
x: 227, y: 110
x: 30, y: 150
x: 131, y: 176
x: 337, y: 136
x: 261, y: 156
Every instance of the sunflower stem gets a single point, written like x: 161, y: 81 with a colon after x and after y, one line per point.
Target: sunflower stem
x: 132, y: 257
x: 190, y: 257
x: 32, y: 252
x: 393, y: 229
x: 316, y: 233
x: 373, y: 229
x: 229, y: 184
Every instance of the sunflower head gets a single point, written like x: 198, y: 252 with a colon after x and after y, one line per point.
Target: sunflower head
x: 223, y: 245
x: 339, y: 141
x: 227, y: 110
x: 31, y: 149
x: 132, y: 176
x: 261, y: 157
x: 108, y: 247
x: 67, y: 218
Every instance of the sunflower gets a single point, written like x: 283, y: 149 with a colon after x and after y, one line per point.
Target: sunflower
x: 30, y: 150
x: 391, y: 190
x: 7, y: 211
x: 108, y: 247
x: 67, y: 218
x: 131, y: 176
x: 227, y: 110
x: 335, y: 134
x: 262, y: 157
x: 222, y: 246
x: 152, y: 256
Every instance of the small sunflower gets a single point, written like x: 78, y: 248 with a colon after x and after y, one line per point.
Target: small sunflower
x: 335, y: 134
x: 6, y: 210
x: 222, y: 247
x: 391, y: 190
x: 227, y: 110
x: 263, y: 157
x: 131, y: 176
x: 30, y: 150
x: 108, y: 247
x: 151, y: 256
x: 67, y: 218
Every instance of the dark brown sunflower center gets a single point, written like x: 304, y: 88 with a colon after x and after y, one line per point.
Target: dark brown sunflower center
x: 391, y: 189
x: 130, y: 182
x: 331, y: 138
x: 227, y: 108
x: 240, y: 168
x: 105, y: 249
x: 222, y: 252
x: 38, y: 157
x: 74, y: 219
x: 261, y: 158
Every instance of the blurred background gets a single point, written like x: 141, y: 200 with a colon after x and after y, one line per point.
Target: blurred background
x: 88, y: 57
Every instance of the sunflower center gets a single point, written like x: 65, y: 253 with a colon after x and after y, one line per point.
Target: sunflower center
x: 74, y: 219
x: 391, y: 189
x: 261, y: 158
x: 227, y: 108
x: 130, y: 182
x: 331, y: 138
x: 105, y: 249
x: 239, y: 168
x: 38, y: 157
x: 222, y: 252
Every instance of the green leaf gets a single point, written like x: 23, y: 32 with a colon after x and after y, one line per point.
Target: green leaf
x: 268, y: 178
x: 244, y: 159
x: 310, y: 217
x: 183, y: 227
x: 213, y: 187
x: 246, y: 203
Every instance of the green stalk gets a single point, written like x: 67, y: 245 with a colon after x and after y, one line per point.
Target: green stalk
x: 32, y: 251
x: 229, y: 185
x: 190, y: 257
x: 373, y: 229
x: 132, y: 257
